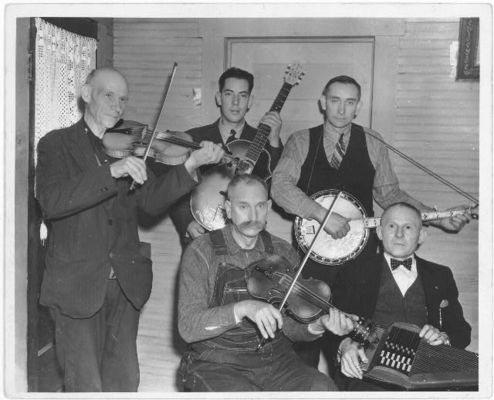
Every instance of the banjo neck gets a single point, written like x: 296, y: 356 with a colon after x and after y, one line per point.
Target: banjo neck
x: 373, y: 222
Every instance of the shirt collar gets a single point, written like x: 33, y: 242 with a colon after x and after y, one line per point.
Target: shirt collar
x: 225, y: 131
x: 233, y: 246
x: 333, y: 132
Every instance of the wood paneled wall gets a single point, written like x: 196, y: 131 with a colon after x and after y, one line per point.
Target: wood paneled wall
x: 436, y: 123
x: 425, y: 112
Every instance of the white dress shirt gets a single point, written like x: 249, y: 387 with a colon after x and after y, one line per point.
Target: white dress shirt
x: 403, y: 277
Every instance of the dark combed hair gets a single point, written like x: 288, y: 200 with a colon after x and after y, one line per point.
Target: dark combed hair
x: 248, y: 180
x: 343, y: 79
x: 238, y: 73
x: 404, y: 205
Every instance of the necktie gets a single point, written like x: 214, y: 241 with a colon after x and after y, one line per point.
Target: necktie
x: 407, y: 263
x: 231, y: 138
x: 338, y: 154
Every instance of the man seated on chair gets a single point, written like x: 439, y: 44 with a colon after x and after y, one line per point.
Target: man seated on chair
x: 235, y: 341
x: 398, y: 286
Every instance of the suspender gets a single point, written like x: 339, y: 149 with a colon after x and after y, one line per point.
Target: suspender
x: 219, y: 244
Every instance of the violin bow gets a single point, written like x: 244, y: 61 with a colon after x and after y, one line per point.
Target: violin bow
x: 307, y: 254
x: 304, y: 261
x: 426, y: 170
x: 153, y: 135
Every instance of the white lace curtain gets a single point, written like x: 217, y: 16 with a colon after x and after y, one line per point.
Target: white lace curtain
x: 62, y: 62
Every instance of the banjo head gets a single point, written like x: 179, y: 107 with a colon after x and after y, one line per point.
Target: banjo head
x: 329, y: 251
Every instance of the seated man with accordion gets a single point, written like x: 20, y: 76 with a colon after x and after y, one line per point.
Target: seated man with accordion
x: 418, y: 301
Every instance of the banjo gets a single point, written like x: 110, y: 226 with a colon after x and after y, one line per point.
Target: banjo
x: 329, y: 251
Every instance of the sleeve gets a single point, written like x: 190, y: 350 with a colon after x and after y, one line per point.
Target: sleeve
x: 196, y: 320
x: 60, y: 193
x: 181, y: 216
x: 275, y: 153
x: 159, y: 193
x: 453, y: 321
x: 386, y: 190
x: 284, y: 188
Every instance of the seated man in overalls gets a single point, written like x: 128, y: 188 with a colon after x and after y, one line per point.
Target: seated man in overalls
x: 235, y: 341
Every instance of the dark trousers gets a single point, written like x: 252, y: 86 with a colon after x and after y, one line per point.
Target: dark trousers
x: 99, y: 353
x: 327, y: 344
x: 270, y: 369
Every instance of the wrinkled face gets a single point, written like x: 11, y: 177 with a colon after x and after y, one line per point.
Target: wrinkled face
x: 340, y: 104
x: 234, y: 100
x: 400, y: 231
x: 106, y: 97
x: 248, y: 208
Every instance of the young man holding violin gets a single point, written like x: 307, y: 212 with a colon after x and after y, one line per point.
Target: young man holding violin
x: 398, y: 286
x: 237, y: 342
x: 97, y: 275
x: 234, y: 99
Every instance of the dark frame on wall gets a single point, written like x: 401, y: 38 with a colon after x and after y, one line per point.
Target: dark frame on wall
x: 468, y: 67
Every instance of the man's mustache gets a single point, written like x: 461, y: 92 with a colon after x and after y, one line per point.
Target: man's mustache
x: 252, y: 224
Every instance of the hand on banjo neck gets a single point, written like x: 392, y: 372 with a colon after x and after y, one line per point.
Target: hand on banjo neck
x: 350, y: 218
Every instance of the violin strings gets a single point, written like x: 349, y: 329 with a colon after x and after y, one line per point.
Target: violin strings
x: 309, y: 295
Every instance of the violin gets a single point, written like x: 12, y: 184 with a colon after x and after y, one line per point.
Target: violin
x: 270, y: 279
x: 132, y: 137
x: 170, y: 147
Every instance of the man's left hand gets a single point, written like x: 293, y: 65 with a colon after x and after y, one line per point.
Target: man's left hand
x: 273, y: 120
x: 336, y: 322
x: 453, y: 224
x: 433, y: 336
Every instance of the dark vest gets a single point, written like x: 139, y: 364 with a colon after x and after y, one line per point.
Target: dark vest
x: 392, y: 306
x: 355, y: 174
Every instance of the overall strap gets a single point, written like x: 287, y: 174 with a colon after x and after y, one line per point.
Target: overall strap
x: 268, y: 243
x: 219, y: 244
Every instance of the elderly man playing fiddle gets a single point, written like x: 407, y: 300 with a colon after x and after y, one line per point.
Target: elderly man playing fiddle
x: 97, y: 278
x: 235, y: 341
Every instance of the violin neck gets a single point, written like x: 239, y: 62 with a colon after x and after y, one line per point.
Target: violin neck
x: 170, y: 137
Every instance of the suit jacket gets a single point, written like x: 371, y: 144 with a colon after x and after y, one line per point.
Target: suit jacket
x: 357, y: 287
x: 181, y: 214
x: 93, y: 223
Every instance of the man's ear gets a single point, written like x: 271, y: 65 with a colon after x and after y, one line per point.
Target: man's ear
x: 322, y: 102
x: 379, y: 232
x: 270, y: 204
x: 357, y: 110
x: 217, y: 98
x: 250, y: 102
x: 422, y: 235
x: 228, y: 209
x: 86, y: 93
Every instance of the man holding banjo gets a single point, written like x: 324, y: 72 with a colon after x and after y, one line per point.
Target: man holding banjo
x: 342, y: 156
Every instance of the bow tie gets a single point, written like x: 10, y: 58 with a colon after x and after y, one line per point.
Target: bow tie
x: 407, y: 263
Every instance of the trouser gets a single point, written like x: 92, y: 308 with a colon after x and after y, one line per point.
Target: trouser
x: 99, y: 353
x: 270, y: 369
x: 309, y: 352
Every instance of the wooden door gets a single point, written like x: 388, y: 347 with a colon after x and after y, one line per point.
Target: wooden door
x: 321, y: 59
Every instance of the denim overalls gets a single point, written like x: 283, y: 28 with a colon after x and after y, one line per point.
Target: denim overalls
x: 233, y: 361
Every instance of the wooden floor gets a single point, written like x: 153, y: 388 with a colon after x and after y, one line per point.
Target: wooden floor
x: 159, y: 346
